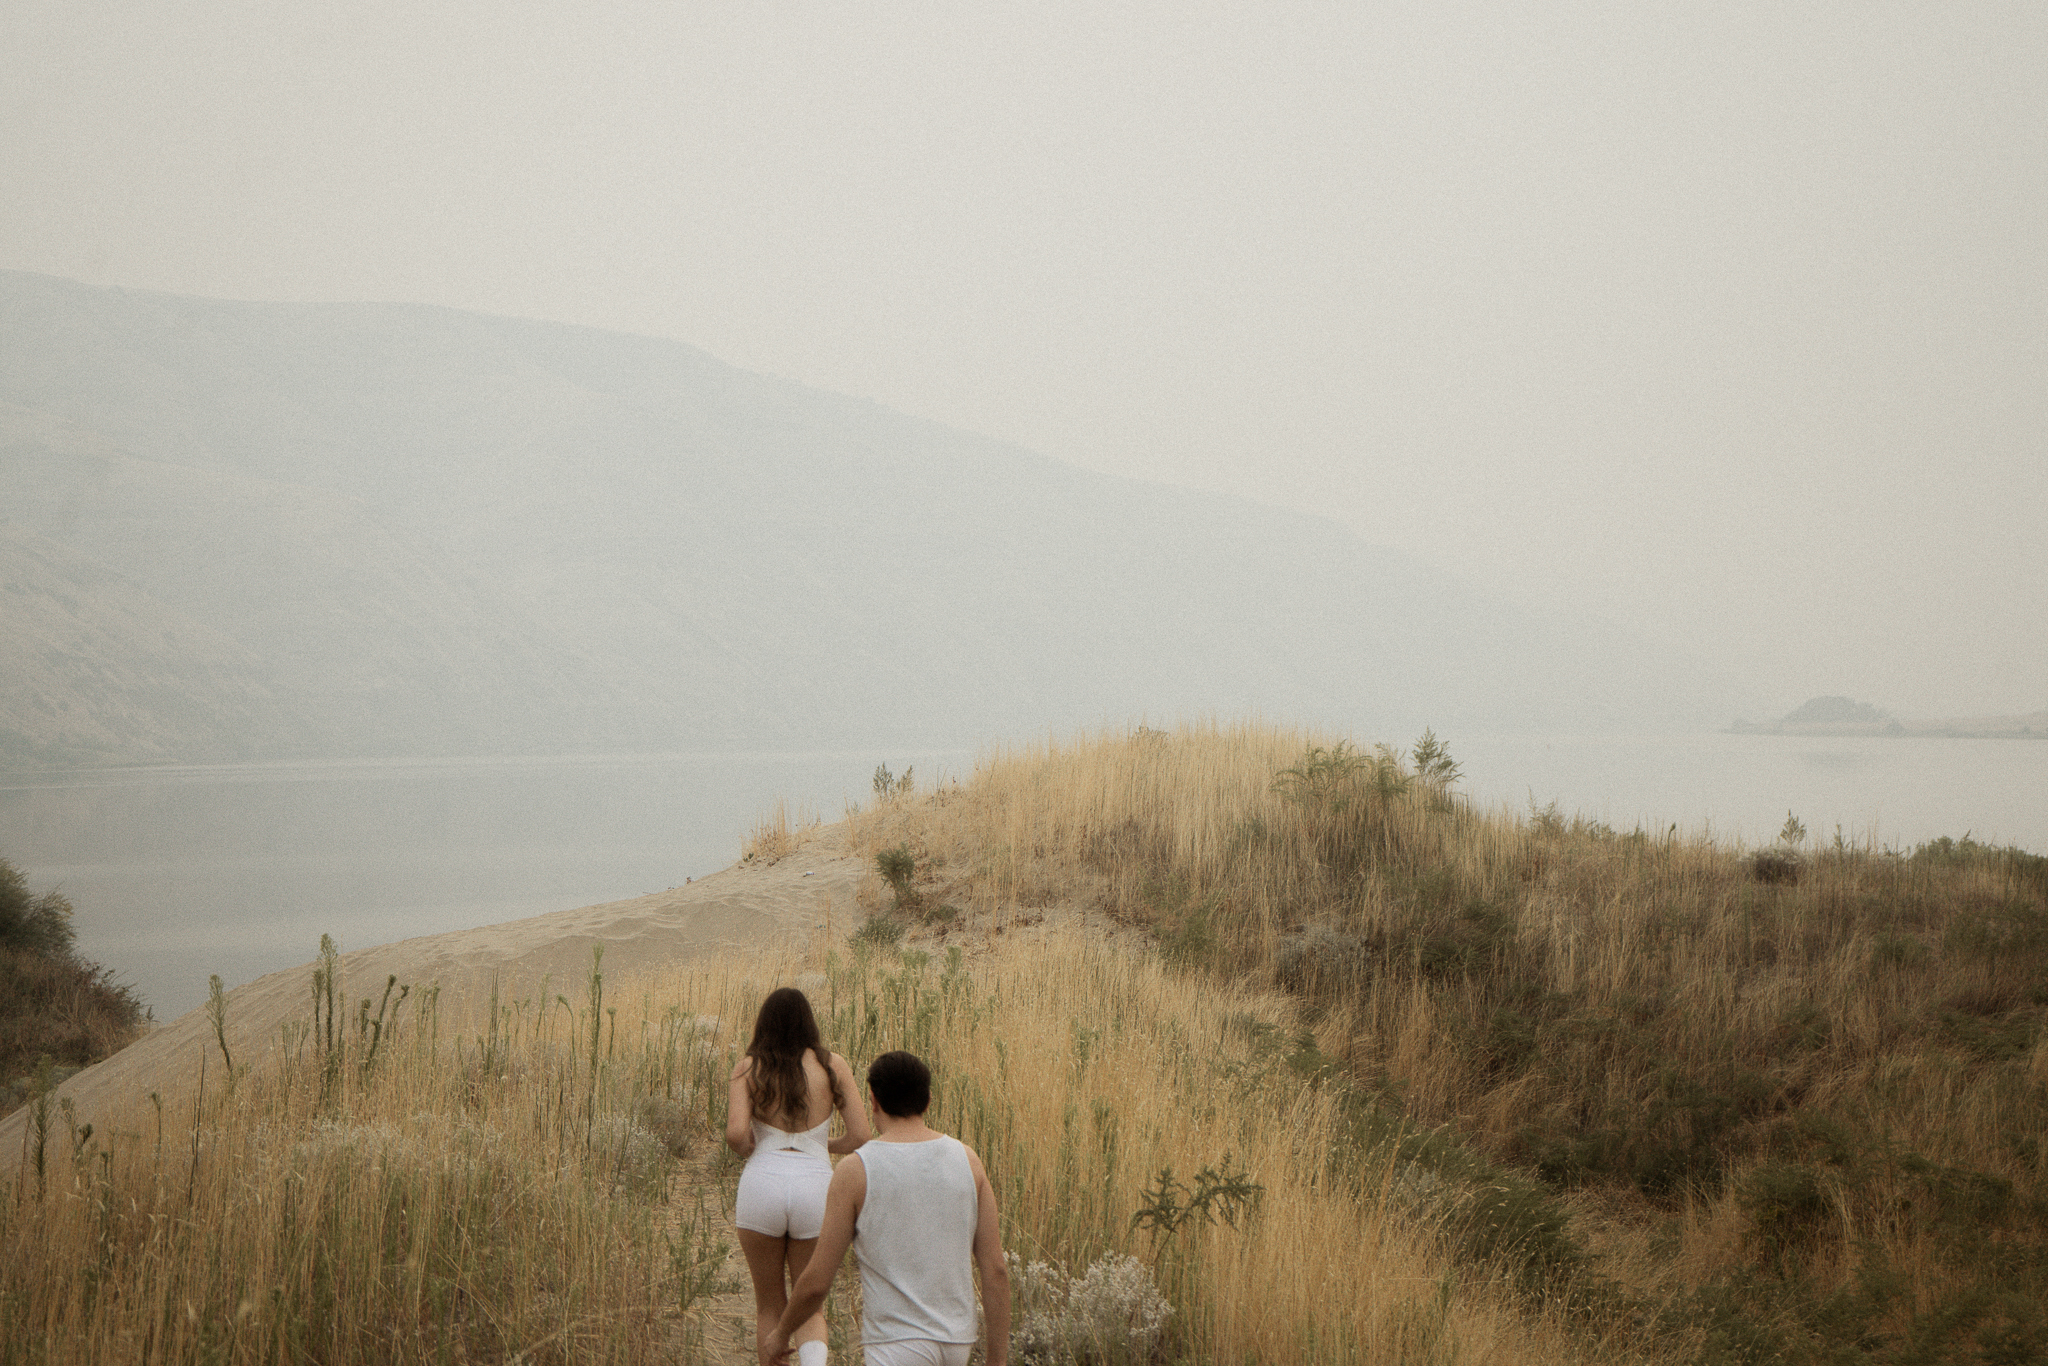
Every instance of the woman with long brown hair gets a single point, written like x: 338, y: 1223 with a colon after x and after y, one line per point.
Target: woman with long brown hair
x: 778, y: 1116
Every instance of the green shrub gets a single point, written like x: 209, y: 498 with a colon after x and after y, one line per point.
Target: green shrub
x: 1774, y: 866
x: 1491, y: 1214
x: 1735, y: 1322
x: 1463, y: 944
x: 898, y: 868
x: 1433, y: 762
x: 1805, y: 1026
x: 1788, y: 1203
x: 2007, y: 927
x: 1984, y: 1031
x: 53, y: 1005
x: 33, y: 924
x: 1509, y: 1043
x: 889, y: 787
x: 878, y: 932
x: 1191, y: 939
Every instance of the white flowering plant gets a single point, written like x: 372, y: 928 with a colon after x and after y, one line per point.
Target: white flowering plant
x: 1111, y: 1313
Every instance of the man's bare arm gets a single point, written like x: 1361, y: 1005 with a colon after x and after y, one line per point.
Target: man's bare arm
x: 995, y: 1272
x: 843, y: 1199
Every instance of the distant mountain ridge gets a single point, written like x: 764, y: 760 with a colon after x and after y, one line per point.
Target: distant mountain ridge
x: 327, y: 530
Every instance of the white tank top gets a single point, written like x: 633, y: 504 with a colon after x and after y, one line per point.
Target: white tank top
x: 915, y: 1241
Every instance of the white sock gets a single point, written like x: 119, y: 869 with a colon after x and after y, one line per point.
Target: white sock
x: 811, y: 1353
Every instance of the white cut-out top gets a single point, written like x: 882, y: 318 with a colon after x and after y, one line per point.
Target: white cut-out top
x: 768, y: 1138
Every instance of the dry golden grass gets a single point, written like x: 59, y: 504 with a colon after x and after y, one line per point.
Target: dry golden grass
x: 60, y: 1009
x: 1081, y: 1070
x: 778, y: 834
x: 1798, y: 1118
x: 503, y: 1178
x: 484, y: 1185
x: 1837, y: 1079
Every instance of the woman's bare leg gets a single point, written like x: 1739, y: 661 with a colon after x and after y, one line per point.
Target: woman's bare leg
x: 813, y: 1328
x: 766, y: 1257
x: 769, y: 1261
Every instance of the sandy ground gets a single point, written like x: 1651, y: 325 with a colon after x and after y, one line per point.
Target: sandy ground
x: 770, y: 909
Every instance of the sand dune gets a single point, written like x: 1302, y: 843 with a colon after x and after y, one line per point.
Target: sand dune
x: 794, y: 903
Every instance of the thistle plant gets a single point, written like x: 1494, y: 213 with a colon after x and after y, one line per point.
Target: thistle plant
x: 217, y: 1014
x: 1218, y: 1192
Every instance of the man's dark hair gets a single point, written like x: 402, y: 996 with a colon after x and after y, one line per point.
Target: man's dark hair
x: 902, y: 1084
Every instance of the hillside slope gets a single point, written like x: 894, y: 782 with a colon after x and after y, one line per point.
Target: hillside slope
x: 431, y: 532
x: 98, y: 669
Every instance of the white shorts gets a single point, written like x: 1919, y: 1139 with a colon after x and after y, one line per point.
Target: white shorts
x: 917, y: 1352
x: 782, y: 1194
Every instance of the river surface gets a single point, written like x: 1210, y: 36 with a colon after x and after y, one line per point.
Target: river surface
x: 176, y: 873
x: 181, y: 872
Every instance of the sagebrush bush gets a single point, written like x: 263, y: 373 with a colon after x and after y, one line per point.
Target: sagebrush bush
x: 1111, y: 1313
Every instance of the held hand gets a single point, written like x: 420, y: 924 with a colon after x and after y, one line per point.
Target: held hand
x: 775, y: 1349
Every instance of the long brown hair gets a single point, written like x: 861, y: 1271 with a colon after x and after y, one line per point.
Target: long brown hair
x: 784, y: 1030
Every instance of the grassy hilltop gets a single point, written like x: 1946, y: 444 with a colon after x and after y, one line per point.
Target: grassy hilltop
x: 1281, y: 1031
x: 1788, y: 1104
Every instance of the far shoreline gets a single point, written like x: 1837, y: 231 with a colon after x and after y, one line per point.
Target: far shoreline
x: 2032, y: 727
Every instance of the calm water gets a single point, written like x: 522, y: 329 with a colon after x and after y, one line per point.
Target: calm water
x: 1894, y: 792
x: 180, y: 872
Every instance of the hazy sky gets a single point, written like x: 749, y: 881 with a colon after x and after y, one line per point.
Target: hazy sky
x: 1728, y: 320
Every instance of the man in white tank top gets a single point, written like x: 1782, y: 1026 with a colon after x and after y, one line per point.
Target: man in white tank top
x: 917, y: 1208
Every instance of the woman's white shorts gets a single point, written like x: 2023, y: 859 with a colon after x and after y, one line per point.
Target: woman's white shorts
x: 782, y: 1194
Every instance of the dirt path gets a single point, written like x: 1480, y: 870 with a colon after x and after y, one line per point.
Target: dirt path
x: 718, y: 1325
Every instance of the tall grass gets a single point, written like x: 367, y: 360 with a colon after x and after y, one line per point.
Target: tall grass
x: 1800, y: 1097
x: 1093, y: 1079
x: 777, y: 834
x: 472, y: 1181
x: 1510, y: 1088
x: 508, y: 1178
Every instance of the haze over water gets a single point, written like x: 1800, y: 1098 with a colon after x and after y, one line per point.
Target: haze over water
x: 1722, y: 321
x: 181, y: 872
